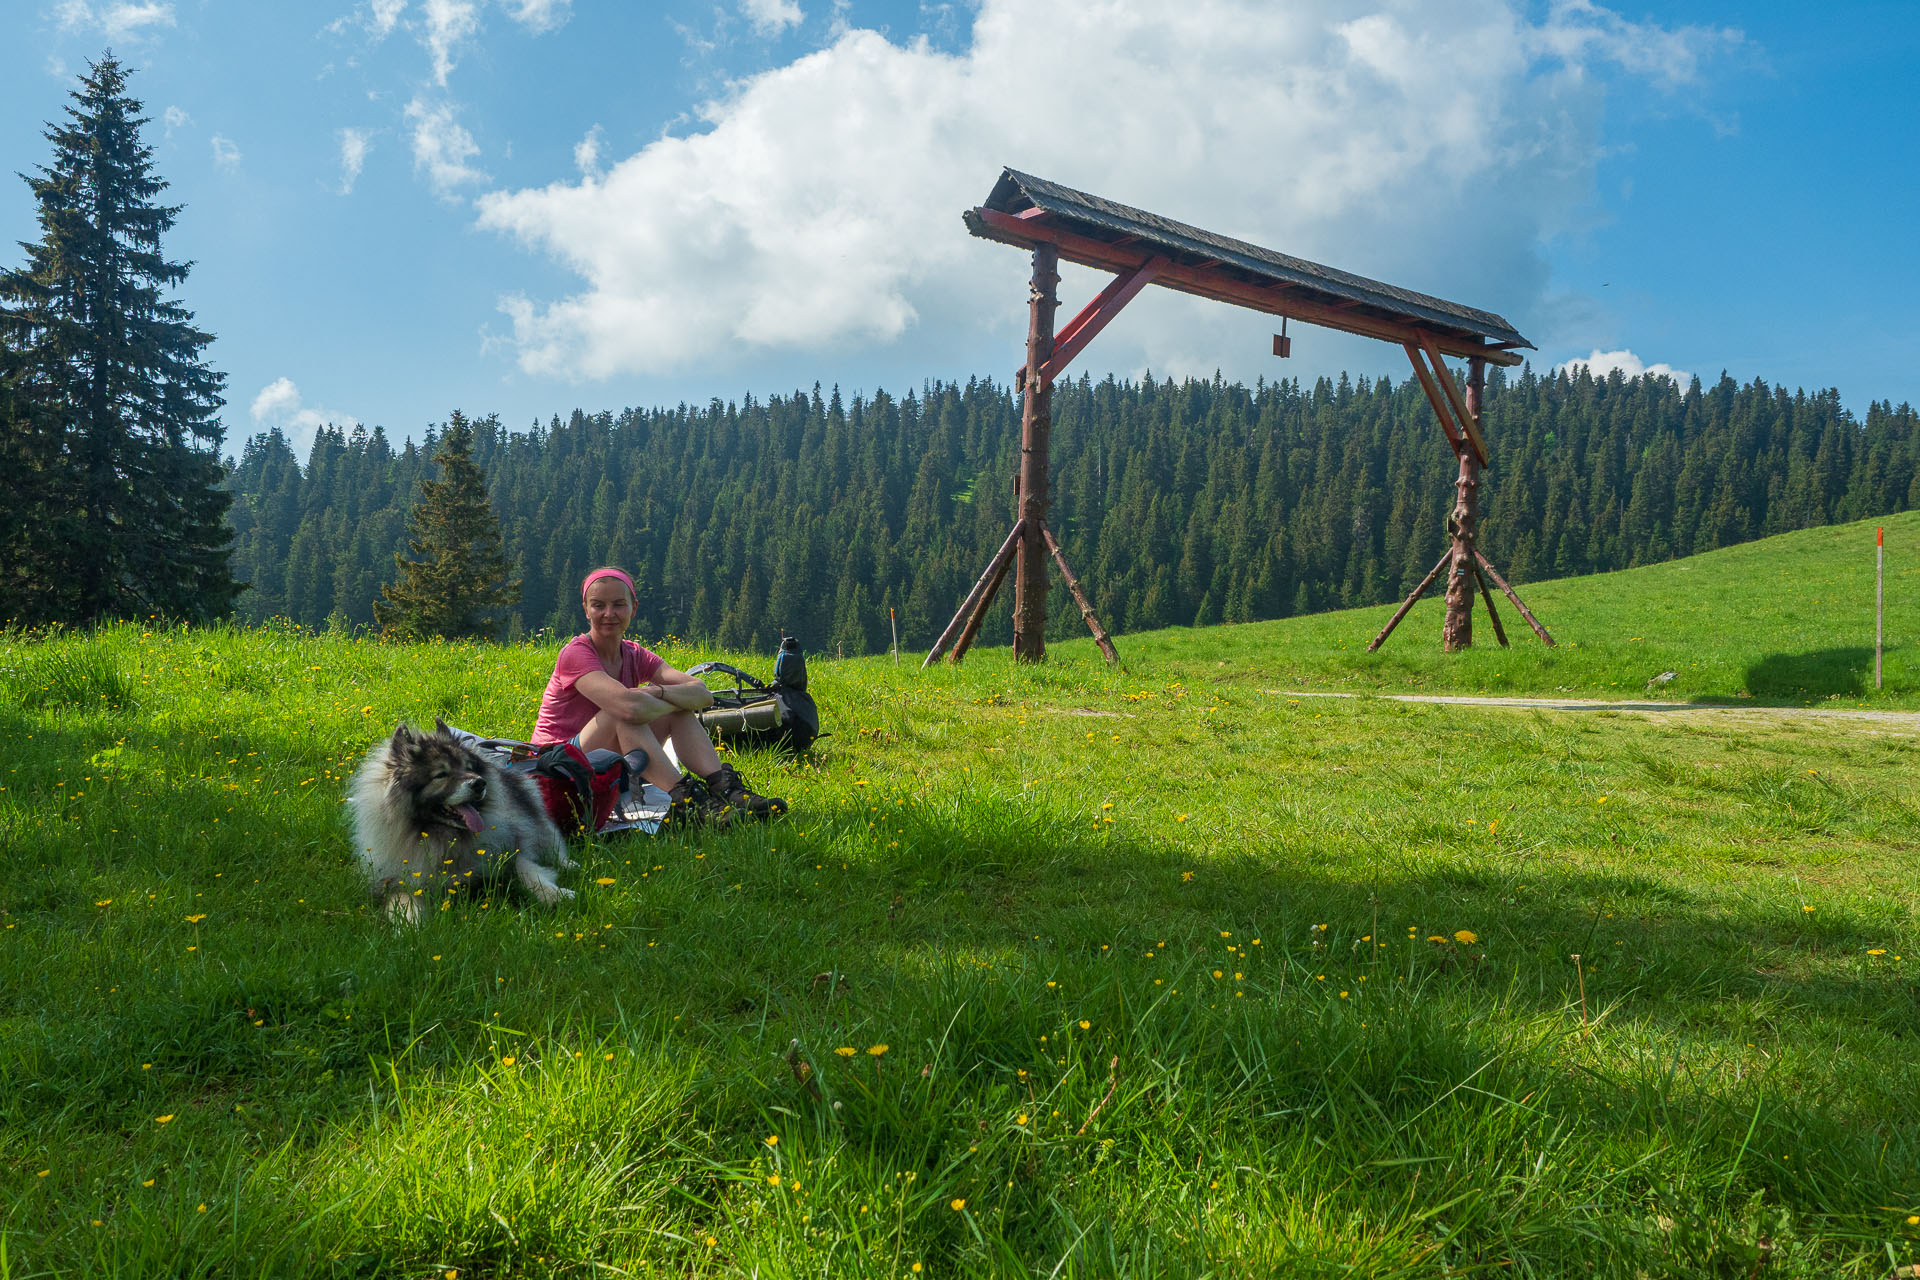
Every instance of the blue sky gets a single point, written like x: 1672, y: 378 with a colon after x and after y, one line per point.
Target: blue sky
x: 399, y: 207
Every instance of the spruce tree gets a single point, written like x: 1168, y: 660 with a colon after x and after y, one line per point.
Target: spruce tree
x: 458, y: 585
x: 112, y: 439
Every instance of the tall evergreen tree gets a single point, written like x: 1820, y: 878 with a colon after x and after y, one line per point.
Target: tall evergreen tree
x: 459, y: 585
x: 114, y: 410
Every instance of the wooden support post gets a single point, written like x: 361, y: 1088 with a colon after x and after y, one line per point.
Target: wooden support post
x: 988, y: 584
x: 1518, y: 603
x: 1100, y: 636
x: 979, y: 614
x: 1486, y: 593
x: 1467, y: 410
x: 1457, y: 632
x: 1036, y: 429
x: 1455, y: 441
x: 1418, y: 591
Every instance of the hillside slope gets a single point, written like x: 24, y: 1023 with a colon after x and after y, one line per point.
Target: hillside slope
x: 1787, y: 620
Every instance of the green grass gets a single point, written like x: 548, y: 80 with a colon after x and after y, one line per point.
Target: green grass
x: 514, y: 1091
x: 1787, y: 621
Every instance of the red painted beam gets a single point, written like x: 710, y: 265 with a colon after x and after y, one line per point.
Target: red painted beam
x: 1082, y: 329
x: 1219, y: 286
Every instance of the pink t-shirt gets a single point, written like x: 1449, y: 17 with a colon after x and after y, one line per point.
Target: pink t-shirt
x: 564, y: 710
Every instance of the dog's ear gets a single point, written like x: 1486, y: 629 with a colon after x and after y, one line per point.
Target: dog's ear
x: 442, y: 728
x: 402, y: 734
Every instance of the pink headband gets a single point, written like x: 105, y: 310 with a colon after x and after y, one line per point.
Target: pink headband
x: 597, y: 574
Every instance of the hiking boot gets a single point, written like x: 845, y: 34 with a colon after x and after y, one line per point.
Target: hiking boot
x: 688, y: 803
x: 730, y: 798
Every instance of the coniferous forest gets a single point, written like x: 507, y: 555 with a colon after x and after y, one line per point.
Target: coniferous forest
x: 1176, y: 503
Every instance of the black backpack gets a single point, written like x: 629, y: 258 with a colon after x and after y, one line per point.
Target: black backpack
x: 755, y: 714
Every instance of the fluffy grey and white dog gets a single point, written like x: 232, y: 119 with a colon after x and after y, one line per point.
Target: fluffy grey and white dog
x: 431, y: 815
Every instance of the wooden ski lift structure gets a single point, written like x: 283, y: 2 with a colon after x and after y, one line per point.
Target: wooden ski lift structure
x: 1140, y: 248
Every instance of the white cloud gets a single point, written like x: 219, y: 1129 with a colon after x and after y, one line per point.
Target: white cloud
x: 121, y: 21
x: 377, y: 18
x: 1433, y: 146
x: 586, y: 152
x: 226, y: 154
x: 278, y: 404
x: 539, y: 15
x: 354, y: 145
x: 448, y: 23
x: 1602, y: 363
x: 441, y: 147
x: 771, y: 17
x: 1579, y: 29
x: 383, y: 16
x: 175, y: 118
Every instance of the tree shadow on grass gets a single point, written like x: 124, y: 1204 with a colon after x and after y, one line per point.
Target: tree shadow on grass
x: 959, y: 929
x: 1800, y: 677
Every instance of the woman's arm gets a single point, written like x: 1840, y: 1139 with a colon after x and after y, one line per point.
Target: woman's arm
x: 639, y: 706
x: 680, y: 690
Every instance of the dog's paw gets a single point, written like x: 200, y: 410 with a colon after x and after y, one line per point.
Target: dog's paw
x: 402, y: 909
x: 557, y: 896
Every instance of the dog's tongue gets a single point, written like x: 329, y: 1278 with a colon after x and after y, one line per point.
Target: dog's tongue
x: 472, y: 817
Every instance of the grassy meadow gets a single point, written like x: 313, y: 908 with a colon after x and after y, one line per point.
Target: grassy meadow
x: 1058, y: 971
x: 1786, y: 621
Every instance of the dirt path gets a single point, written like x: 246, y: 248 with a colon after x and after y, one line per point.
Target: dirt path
x: 1900, y: 719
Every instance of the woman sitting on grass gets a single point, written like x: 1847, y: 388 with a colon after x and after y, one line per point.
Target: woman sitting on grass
x: 609, y: 693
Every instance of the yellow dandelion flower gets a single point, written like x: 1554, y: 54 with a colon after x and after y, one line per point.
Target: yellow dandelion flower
x: 1465, y: 937
x: 43, y: 1173
x: 197, y: 919
x: 506, y: 1062
x: 877, y: 1050
x: 166, y: 1119
x: 201, y: 1209
x: 1877, y: 951
x: 846, y: 1051
x: 1343, y: 995
x: 1809, y: 910
x: 1218, y: 974
x: 1434, y: 937
x: 958, y: 1205
x: 1021, y: 1118
x: 603, y: 881
x: 773, y: 1139
x: 147, y: 1183
x: 1085, y: 1025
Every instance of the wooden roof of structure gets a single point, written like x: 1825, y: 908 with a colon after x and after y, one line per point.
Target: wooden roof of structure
x: 1024, y: 210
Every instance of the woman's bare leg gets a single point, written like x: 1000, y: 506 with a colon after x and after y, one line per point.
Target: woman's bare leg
x: 607, y: 732
x: 690, y: 742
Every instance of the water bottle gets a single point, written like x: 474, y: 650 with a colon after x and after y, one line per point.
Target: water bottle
x: 790, y: 665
